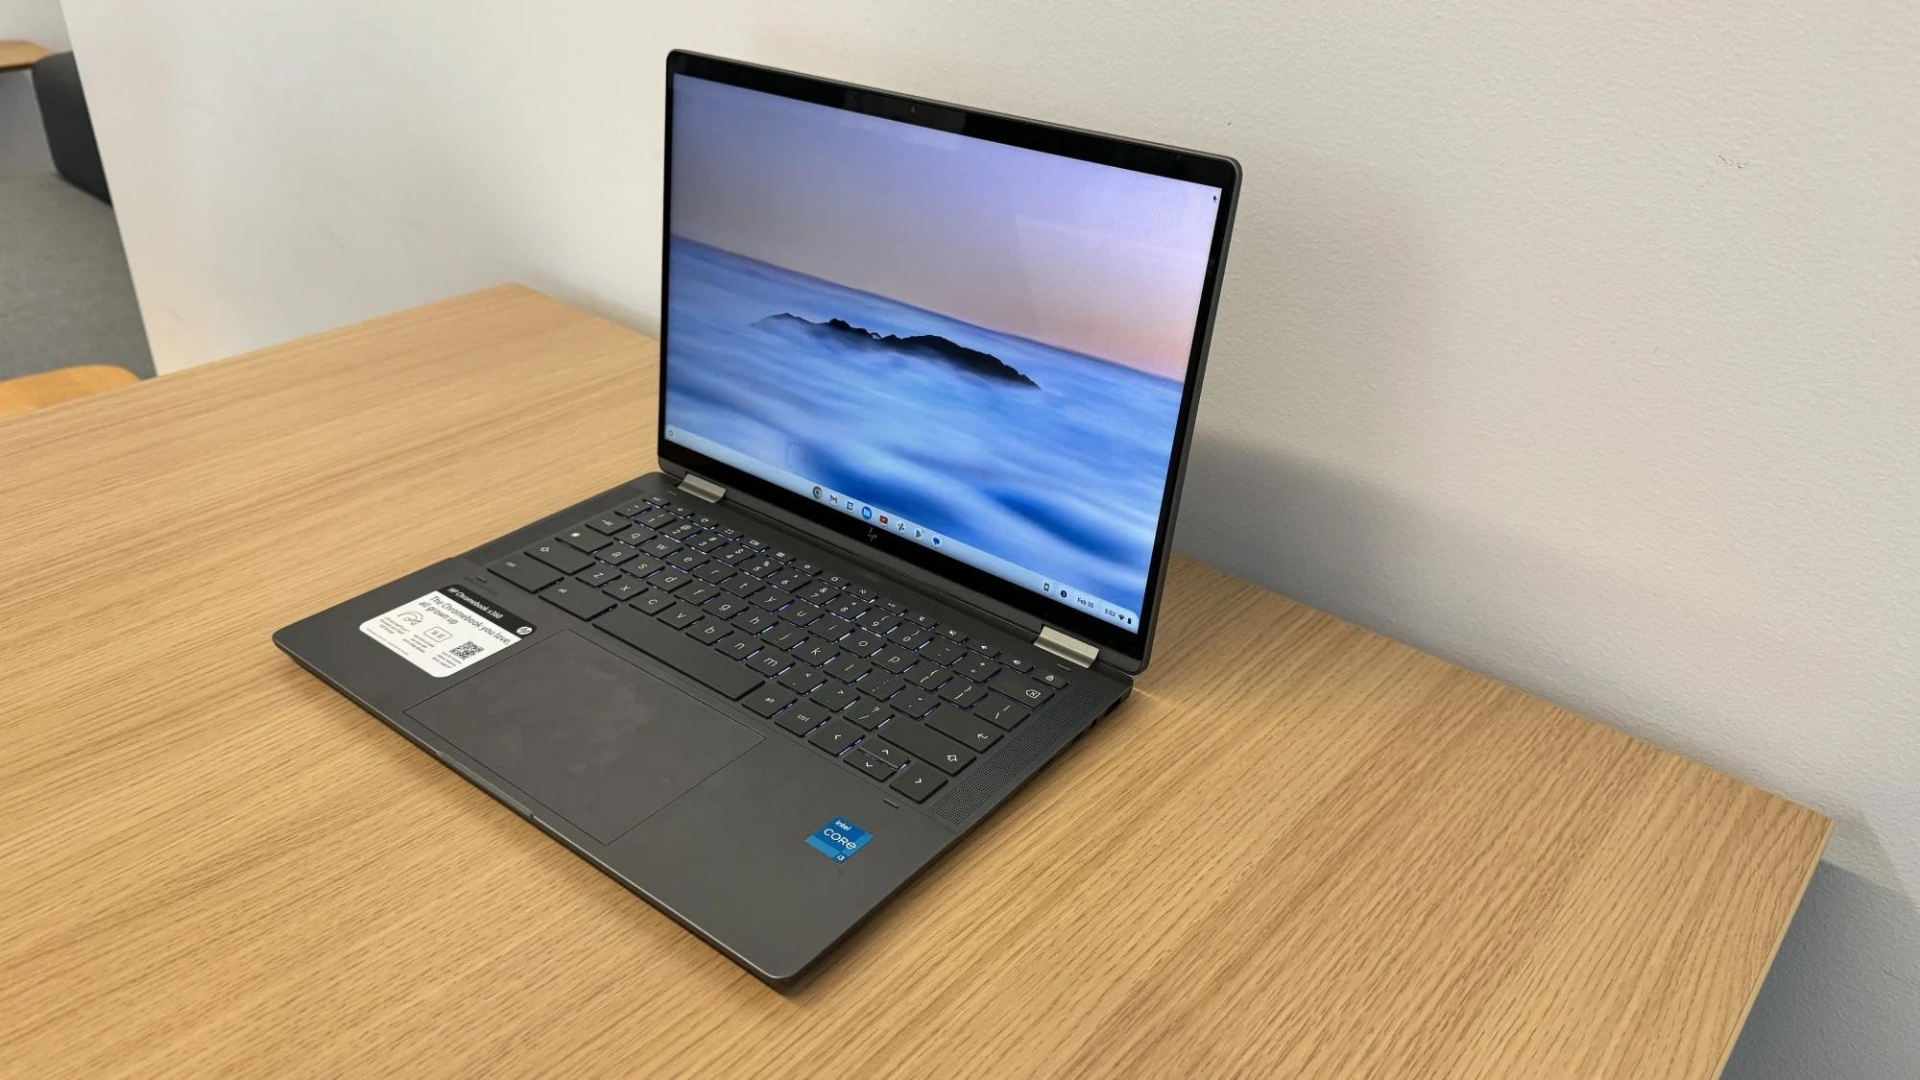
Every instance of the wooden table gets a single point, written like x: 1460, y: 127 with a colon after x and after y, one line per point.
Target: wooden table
x: 17, y: 55
x: 1300, y: 850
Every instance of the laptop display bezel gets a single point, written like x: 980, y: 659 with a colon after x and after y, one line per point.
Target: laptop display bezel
x: 1127, y: 650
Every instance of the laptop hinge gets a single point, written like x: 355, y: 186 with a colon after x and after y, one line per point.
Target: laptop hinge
x: 702, y: 489
x: 1066, y: 647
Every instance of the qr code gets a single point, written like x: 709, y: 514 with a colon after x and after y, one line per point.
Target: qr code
x: 466, y: 650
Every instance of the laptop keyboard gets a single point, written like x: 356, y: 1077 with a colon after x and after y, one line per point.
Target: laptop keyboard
x: 887, y: 690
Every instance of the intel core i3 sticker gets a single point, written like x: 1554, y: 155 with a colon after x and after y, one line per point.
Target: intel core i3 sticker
x: 446, y: 630
x: 839, y: 839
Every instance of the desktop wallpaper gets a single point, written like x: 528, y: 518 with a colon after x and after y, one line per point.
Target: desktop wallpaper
x: 986, y: 340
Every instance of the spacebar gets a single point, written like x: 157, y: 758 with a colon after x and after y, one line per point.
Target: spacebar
x: 678, y: 651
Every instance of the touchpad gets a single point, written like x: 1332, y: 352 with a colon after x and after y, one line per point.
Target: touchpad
x: 585, y: 732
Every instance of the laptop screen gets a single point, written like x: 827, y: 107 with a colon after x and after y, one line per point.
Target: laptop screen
x: 976, y: 347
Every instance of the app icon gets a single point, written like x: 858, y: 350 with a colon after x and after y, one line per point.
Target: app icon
x: 834, y: 499
x: 936, y: 541
x: 883, y: 519
x: 867, y: 512
x: 816, y: 491
x: 919, y: 533
x: 902, y: 526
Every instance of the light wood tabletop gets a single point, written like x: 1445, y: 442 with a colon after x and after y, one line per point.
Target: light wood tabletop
x: 16, y: 55
x: 1300, y: 849
x: 25, y: 393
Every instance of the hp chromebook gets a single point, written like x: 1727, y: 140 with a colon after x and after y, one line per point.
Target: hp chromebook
x: 927, y: 380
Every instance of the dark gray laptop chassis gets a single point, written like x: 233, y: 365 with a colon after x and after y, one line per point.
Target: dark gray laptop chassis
x: 683, y: 796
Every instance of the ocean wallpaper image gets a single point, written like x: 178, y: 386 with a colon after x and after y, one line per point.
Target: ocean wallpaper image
x: 1050, y: 459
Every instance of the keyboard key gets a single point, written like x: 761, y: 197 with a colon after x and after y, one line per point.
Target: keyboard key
x: 908, y: 635
x: 790, y: 580
x: 1003, y: 713
x: 846, y: 667
x: 864, y: 762
x: 800, y: 613
x: 658, y: 518
x: 975, y: 667
x: 706, y: 630
x: 616, y: 554
x: 636, y: 536
x: 770, y: 662
x: 609, y: 523
x: 560, y: 557
x: 1052, y: 677
x: 835, y: 735
x: 580, y: 601
x: 1017, y: 663
x: 829, y: 627
x: 744, y: 585
x: 964, y: 728
x: 802, y: 718
x: 633, y: 509
x: 963, y: 693
x: 734, y: 554
x: 880, y: 686
x: 767, y: 700
x: 818, y: 593
x: 598, y: 575
x: 953, y: 634
x: 941, y: 651
x: 585, y: 538
x: 861, y: 643
x: 680, y: 530
x: 885, y: 751
x: 868, y: 713
x: 816, y: 652
x: 771, y: 599
x: 912, y: 702
x: 753, y: 621
x: 679, y: 652
x: 530, y: 574
x: 714, y: 572
x: 680, y: 616
x: 847, y: 606
x: 895, y: 659
x: 786, y: 637
x: 652, y: 601
x: 739, y: 646
x: 833, y: 697
x: 877, y: 621
x: 927, y: 745
x: 698, y: 592
x: 669, y: 579
x: 706, y: 542
x: 725, y: 606
x: 624, y: 589
x: 686, y: 559
x: 641, y: 565
x: 1021, y: 689
x: 984, y: 649
x: 660, y: 547
x: 930, y: 677
x: 918, y: 783
x: 801, y: 679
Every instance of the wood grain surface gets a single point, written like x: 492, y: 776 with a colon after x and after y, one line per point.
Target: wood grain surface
x: 1299, y: 850
x: 18, y: 55
x: 25, y: 393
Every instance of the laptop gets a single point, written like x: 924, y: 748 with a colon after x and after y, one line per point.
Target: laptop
x: 927, y: 381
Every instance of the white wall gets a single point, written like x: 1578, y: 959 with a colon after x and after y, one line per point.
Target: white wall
x: 23, y: 142
x: 1579, y: 348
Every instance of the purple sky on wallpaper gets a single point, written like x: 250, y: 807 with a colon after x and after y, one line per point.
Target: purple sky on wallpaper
x: 1080, y: 256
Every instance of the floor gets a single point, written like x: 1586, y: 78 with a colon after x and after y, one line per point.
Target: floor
x: 65, y: 294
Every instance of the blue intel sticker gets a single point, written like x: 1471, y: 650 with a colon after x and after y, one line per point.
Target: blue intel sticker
x: 839, y: 839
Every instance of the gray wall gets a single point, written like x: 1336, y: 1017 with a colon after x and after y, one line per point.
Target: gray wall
x: 1578, y: 347
x: 23, y: 143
